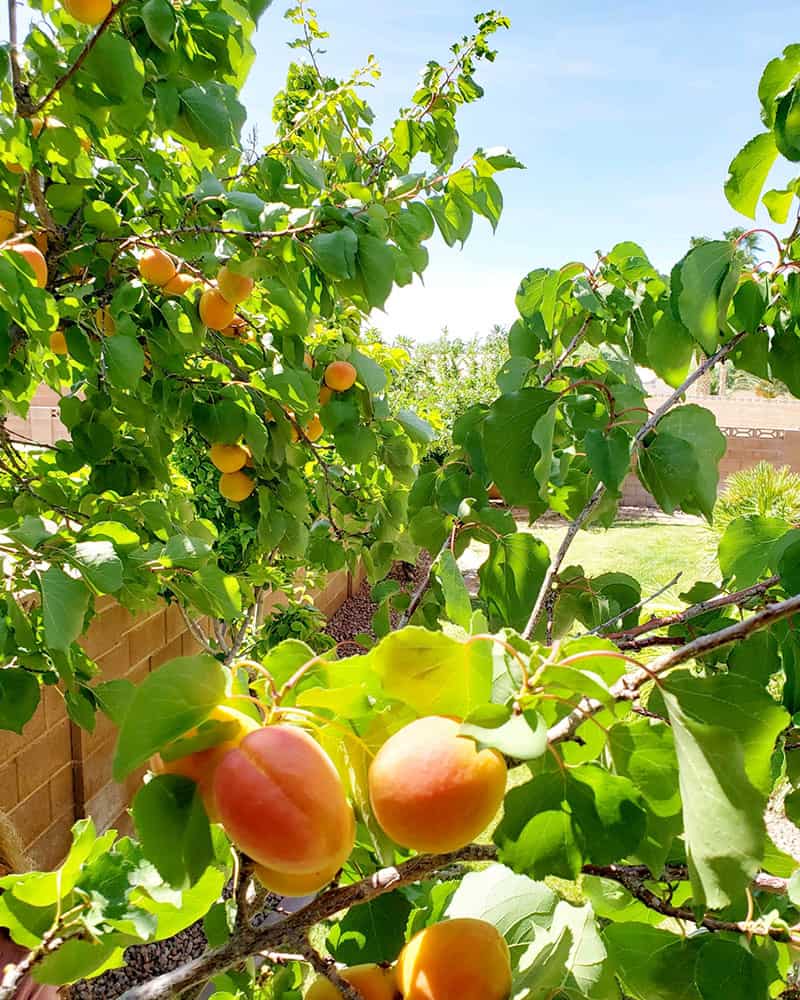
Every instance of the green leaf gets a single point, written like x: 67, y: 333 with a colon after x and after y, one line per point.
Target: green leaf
x: 372, y: 932
x: 523, y: 736
x: 511, y: 454
x: 787, y: 124
x: 727, y: 971
x: 702, y: 288
x: 213, y: 114
x: 212, y: 592
x: 789, y: 567
x: 784, y: 359
x: 432, y: 673
x: 778, y: 76
x: 644, y: 751
x: 778, y: 203
x: 19, y: 698
x: 670, y: 349
x: 698, y: 427
x: 746, y: 548
x: 125, y: 360
x: 99, y: 564
x: 511, y: 577
x: 336, y: 252
x: 668, y: 469
x: 159, y: 21
x: 748, y: 173
x: 168, y: 703
x: 724, y: 729
x: 64, y: 604
x: 418, y: 430
x: 114, y: 66
x: 376, y: 266
x: 609, y: 456
x: 458, y: 606
x: 653, y: 964
x: 173, y: 828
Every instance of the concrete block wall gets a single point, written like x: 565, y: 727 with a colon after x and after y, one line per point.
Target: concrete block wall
x: 56, y: 772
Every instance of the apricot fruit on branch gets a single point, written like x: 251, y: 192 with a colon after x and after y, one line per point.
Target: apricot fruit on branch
x: 313, y: 429
x: 282, y: 802
x: 228, y: 457
x: 157, y: 267
x: 236, y: 486
x: 7, y: 224
x: 215, y: 311
x: 201, y: 765
x: 340, y: 376
x: 233, y: 287
x: 433, y: 790
x: 463, y: 957
x: 179, y: 285
x: 373, y: 982
x: 88, y: 11
x: 34, y: 257
x: 58, y: 343
x: 295, y: 885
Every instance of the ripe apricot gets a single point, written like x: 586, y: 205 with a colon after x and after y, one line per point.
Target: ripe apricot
x: 233, y: 287
x: 7, y: 225
x: 313, y: 429
x: 236, y: 328
x: 325, y: 395
x: 433, y: 790
x: 33, y: 255
x: 228, y: 457
x: 236, y: 486
x: 463, y: 957
x: 179, y: 285
x: 104, y: 321
x: 308, y: 359
x: 340, y: 376
x: 15, y: 168
x: 157, y: 267
x: 281, y: 801
x: 58, y: 343
x: 200, y: 765
x: 294, y: 885
x: 215, y: 311
x: 88, y: 11
x: 373, y: 982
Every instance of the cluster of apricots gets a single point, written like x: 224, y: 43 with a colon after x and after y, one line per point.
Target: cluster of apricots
x: 281, y: 801
x: 461, y: 958
x: 158, y: 268
x: 232, y: 459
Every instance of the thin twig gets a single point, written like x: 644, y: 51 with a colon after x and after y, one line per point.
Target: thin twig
x: 194, y: 628
x: 568, y: 350
x: 327, y: 967
x: 419, y: 593
x: 635, y: 607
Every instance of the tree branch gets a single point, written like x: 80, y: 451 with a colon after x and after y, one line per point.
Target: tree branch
x: 419, y: 593
x: 626, y: 687
x: 194, y: 628
x: 626, y: 639
x: 82, y: 56
x: 565, y: 354
x: 327, y: 967
x: 249, y: 940
x: 546, y: 596
x: 635, y: 607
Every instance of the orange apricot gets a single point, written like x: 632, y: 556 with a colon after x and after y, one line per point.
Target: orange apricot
x: 7, y: 224
x: 282, y: 802
x: 433, y: 790
x: 340, y: 376
x: 236, y: 328
x: 236, y: 486
x: 325, y: 395
x: 295, y: 885
x: 463, y: 957
x: 233, y: 287
x: 157, y: 267
x: 228, y: 457
x: 179, y: 285
x: 58, y: 342
x: 104, y: 321
x: 308, y: 359
x: 373, y: 982
x: 200, y: 765
x: 313, y: 430
x: 88, y: 11
x: 215, y: 311
x: 15, y: 168
x: 35, y: 259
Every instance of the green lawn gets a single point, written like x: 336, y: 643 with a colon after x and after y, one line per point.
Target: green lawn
x: 651, y: 551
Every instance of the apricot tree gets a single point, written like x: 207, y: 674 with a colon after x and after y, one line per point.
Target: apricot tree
x: 174, y: 287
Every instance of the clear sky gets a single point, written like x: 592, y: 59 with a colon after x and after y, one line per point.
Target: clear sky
x: 626, y: 114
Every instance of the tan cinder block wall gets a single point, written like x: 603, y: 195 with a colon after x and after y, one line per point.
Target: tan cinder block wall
x: 56, y: 772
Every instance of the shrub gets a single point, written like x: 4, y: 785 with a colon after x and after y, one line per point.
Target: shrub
x: 762, y: 490
x: 294, y: 621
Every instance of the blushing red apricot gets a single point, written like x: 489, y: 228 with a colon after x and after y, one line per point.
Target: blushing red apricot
x: 281, y: 801
x: 433, y: 790
x: 463, y: 957
x: 373, y: 982
x: 340, y: 376
x: 201, y: 765
x: 35, y: 259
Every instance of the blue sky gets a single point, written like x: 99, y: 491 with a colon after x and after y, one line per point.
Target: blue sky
x: 626, y: 115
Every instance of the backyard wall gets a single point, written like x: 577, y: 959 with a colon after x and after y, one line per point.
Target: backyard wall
x: 56, y: 772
